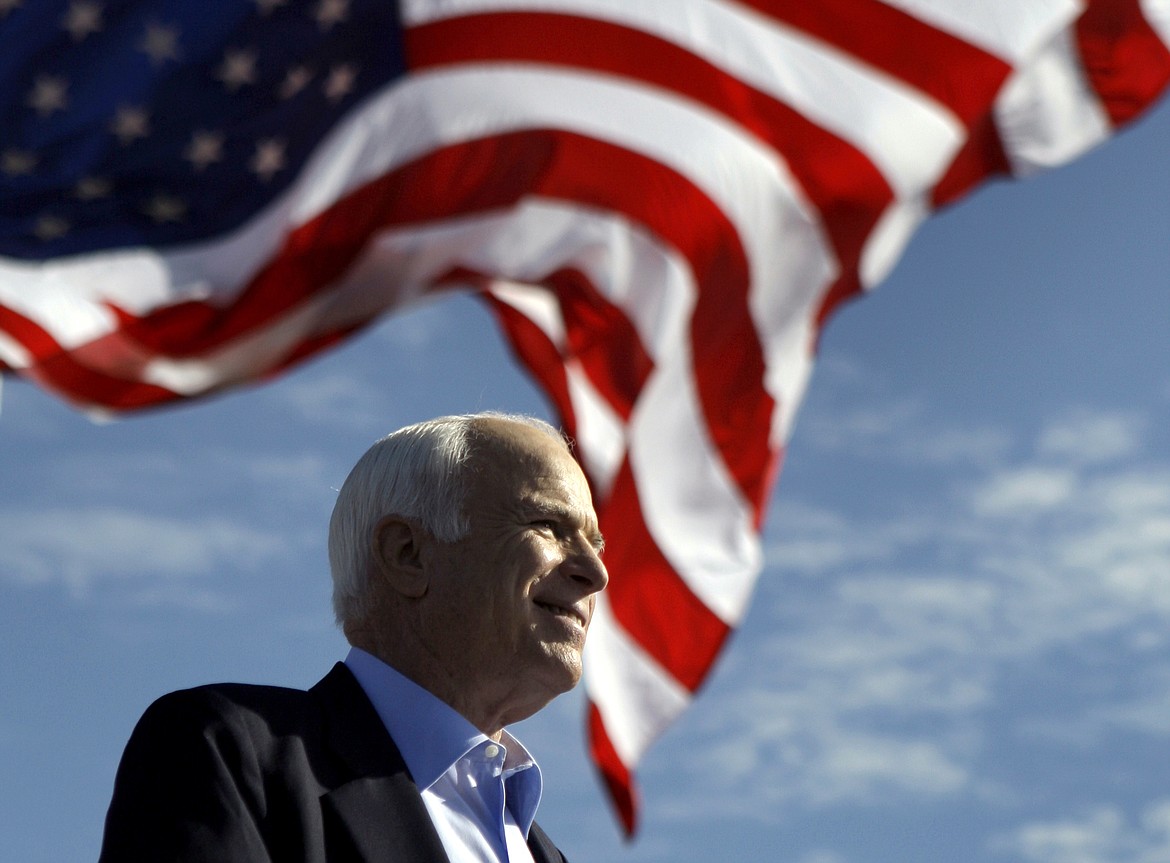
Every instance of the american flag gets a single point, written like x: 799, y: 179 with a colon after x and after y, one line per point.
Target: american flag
x: 661, y: 200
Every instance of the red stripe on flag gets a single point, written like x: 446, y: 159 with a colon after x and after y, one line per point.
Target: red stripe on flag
x: 85, y: 386
x: 981, y: 157
x: 956, y: 73
x: 649, y: 599
x: 1125, y: 61
x: 848, y: 191
x: 614, y: 773
x: 67, y: 373
x: 602, y: 339
x: 34, y: 338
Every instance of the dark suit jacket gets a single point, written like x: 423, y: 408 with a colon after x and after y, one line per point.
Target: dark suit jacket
x: 259, y: 773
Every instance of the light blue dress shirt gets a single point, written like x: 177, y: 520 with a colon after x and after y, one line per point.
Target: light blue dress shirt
x: 481, y: 795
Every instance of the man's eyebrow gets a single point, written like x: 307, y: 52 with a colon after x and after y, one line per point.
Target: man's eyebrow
x: 540, y: 506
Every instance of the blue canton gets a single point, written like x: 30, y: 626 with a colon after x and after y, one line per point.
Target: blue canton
x: 130, y: 123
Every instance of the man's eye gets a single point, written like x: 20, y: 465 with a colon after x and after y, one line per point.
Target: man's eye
x: 545, y: 524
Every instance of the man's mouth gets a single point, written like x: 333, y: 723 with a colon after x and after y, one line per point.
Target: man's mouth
x: 563, y: 611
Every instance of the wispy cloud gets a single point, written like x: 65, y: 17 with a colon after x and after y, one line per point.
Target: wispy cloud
x: 867, y: 420
x: 1103, y: 835
x: 902, y: 432
x: 1088, y: 438
x: 1020, y: 492
x: 808, y: 540
x: 82, y: 548
x: 338, y: 399
x: 1139, y: 705
x: 210, y: 472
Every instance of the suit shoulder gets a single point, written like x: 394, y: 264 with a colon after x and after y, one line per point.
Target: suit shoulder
x: 228, y: 698
x: 239, y: 708
x: 235, y: 756
x: 242, y: 695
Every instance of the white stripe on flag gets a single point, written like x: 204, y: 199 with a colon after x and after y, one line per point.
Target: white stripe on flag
x: 696, y: 515
x: 1047, y: 113
x: 636, y: 697
x: 1157, y: 12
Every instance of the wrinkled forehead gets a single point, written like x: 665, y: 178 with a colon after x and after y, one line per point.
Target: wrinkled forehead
x: 525, y: 459
x: 510, y: 444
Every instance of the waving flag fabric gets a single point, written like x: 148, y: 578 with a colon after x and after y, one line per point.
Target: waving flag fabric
x: 661, y: 200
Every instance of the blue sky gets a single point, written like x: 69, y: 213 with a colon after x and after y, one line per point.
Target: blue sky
x: 959, y: 648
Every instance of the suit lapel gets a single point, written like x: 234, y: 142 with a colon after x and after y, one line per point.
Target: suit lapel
x: 381, y: 819
x: 378, y: 813
x: 542, y: 848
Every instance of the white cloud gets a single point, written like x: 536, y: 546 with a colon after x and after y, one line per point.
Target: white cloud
x: 1149, y: 713
x: 904, y: 433
x: 302, y: 474
x: 1089, y: 558
x: 1142, y: 708
x: 866, y: 423
x: 809, y: 541
x: 182, y: 594
x: 207, y: 471
x: 1103, y: 835
x: 869, y: 420
x: 339, y: 399
x: 857, y: 766
x: 975, y: 446
x: 770, y: 750
x: 1090, y: 438
x: 1024, y: 491
x: 83, y: 473
x: 79, y: 548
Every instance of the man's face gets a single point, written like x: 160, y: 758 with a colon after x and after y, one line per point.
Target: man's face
x: 510, y: 603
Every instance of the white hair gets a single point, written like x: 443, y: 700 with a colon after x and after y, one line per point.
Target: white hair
x: 418, y: 472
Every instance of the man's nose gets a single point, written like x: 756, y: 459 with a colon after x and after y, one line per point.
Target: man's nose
x: 585, y: 566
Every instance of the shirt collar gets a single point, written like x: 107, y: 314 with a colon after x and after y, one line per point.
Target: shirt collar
x: 432, y: 735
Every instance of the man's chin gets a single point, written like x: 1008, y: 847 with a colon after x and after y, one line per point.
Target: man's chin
x: 562, y: 667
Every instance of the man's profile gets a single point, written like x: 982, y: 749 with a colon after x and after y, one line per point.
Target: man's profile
x: 465, y: 561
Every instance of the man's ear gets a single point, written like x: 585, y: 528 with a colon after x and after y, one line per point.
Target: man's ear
x: 396, y: 550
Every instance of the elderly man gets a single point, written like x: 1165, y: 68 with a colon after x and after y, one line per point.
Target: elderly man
x: 465, y: 558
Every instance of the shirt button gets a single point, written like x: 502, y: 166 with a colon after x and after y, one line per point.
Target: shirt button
x: 491, y: 751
